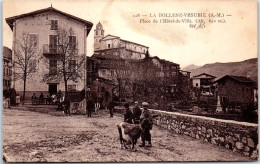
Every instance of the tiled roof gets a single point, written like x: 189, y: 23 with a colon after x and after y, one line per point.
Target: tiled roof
x: 208, y: 76
x: 7, y: 52
x: 241, y: 79
x: 10, y: 20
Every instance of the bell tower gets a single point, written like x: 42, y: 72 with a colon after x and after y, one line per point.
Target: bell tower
x: 98, y: 34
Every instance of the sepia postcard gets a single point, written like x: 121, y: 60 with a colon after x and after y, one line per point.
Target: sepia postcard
x: 130, y: 81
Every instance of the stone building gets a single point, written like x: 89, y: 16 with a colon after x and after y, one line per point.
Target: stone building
x: 7, y: 68
x: 116, y: 46
x: 42, y: 27
x: 235, y: 89
x: 134, y: 73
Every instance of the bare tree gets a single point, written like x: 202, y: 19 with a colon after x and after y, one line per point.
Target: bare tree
x: 25, y: 56
x: 69, y: 63
x: 121, y: 73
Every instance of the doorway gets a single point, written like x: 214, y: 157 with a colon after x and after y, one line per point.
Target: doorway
x: 52, y: 89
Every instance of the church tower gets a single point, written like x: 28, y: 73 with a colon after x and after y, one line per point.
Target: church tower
x: 98, y: 34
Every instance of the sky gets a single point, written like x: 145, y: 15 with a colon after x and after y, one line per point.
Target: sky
x: 234, y: 40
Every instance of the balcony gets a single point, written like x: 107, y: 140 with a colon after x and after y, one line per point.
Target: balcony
x: 54, y: 51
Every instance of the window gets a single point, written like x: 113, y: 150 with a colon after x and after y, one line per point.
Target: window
x: 8, y: 83
x: 197, y: 84
x: 54, y: 24
x: 53, y: 43
x: 97, y: 32
x: 102, y: 32
x: 53, y: 67
x: 72, y: 65
x: 72, y: 42
x: 71, y: 88
x: 33, y: 40
x: 108, y: 45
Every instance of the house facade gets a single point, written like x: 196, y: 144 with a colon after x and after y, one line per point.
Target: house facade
x: 202, y: 80
x: 42, y: 28
x: 235, y: 89
x: 7, y: 68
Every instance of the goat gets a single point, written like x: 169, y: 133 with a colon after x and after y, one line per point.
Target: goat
x: 129, y: 134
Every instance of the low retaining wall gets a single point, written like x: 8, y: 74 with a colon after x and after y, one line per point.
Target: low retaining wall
x: 233, y: 135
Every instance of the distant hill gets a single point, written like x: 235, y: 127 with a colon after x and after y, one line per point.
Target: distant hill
x: 190, y: 67
x: 247, y: 68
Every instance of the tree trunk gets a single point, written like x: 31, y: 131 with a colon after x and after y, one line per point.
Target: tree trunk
x: 24, y: 88
x: 66, y: 88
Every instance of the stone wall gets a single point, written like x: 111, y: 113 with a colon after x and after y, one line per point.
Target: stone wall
x: 236, y: 136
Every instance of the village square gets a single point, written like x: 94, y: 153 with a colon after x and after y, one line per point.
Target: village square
x: 122, y: 103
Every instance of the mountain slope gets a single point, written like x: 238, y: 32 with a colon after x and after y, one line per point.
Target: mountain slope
x: 190, y: 67
x: 247, y: 68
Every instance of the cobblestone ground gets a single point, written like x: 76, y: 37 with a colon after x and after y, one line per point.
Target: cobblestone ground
x: 37, y: 137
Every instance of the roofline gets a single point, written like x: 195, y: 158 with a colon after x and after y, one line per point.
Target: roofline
x: 185, y: 71
x: 123, y: 40
x: 163, y: 60
x: 134, y: 43
x: 104, y: 50
x: 10, y: 20
x: 109, y: 35
x: 205, y: 74
x: 232, y: 77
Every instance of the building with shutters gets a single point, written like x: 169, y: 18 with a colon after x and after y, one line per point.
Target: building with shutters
x: 7, y: 68
x: 41, y: 27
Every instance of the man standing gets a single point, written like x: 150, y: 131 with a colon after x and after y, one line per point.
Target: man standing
x: 34, y: 99
x: 90, y: 106
x: 128, y: 116
x: 137, y: 113
x: 111, y: 108
x: 67, y: 106
x: 146, y: 124
x: 59, y: 97
x: 41, y: 98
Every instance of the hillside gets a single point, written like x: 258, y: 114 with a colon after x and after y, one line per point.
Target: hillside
x: 190, y: 67
x: 247, y: 68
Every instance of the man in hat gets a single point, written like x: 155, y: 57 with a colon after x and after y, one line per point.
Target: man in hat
x: 146, y: 124
x: 137, y: 113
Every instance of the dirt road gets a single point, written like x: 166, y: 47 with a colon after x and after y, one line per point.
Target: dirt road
x: 37, y: 137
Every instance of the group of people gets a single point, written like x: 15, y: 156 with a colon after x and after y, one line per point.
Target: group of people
x: 63, y: 103
x: 142, y: 117
x: 41, y: 98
